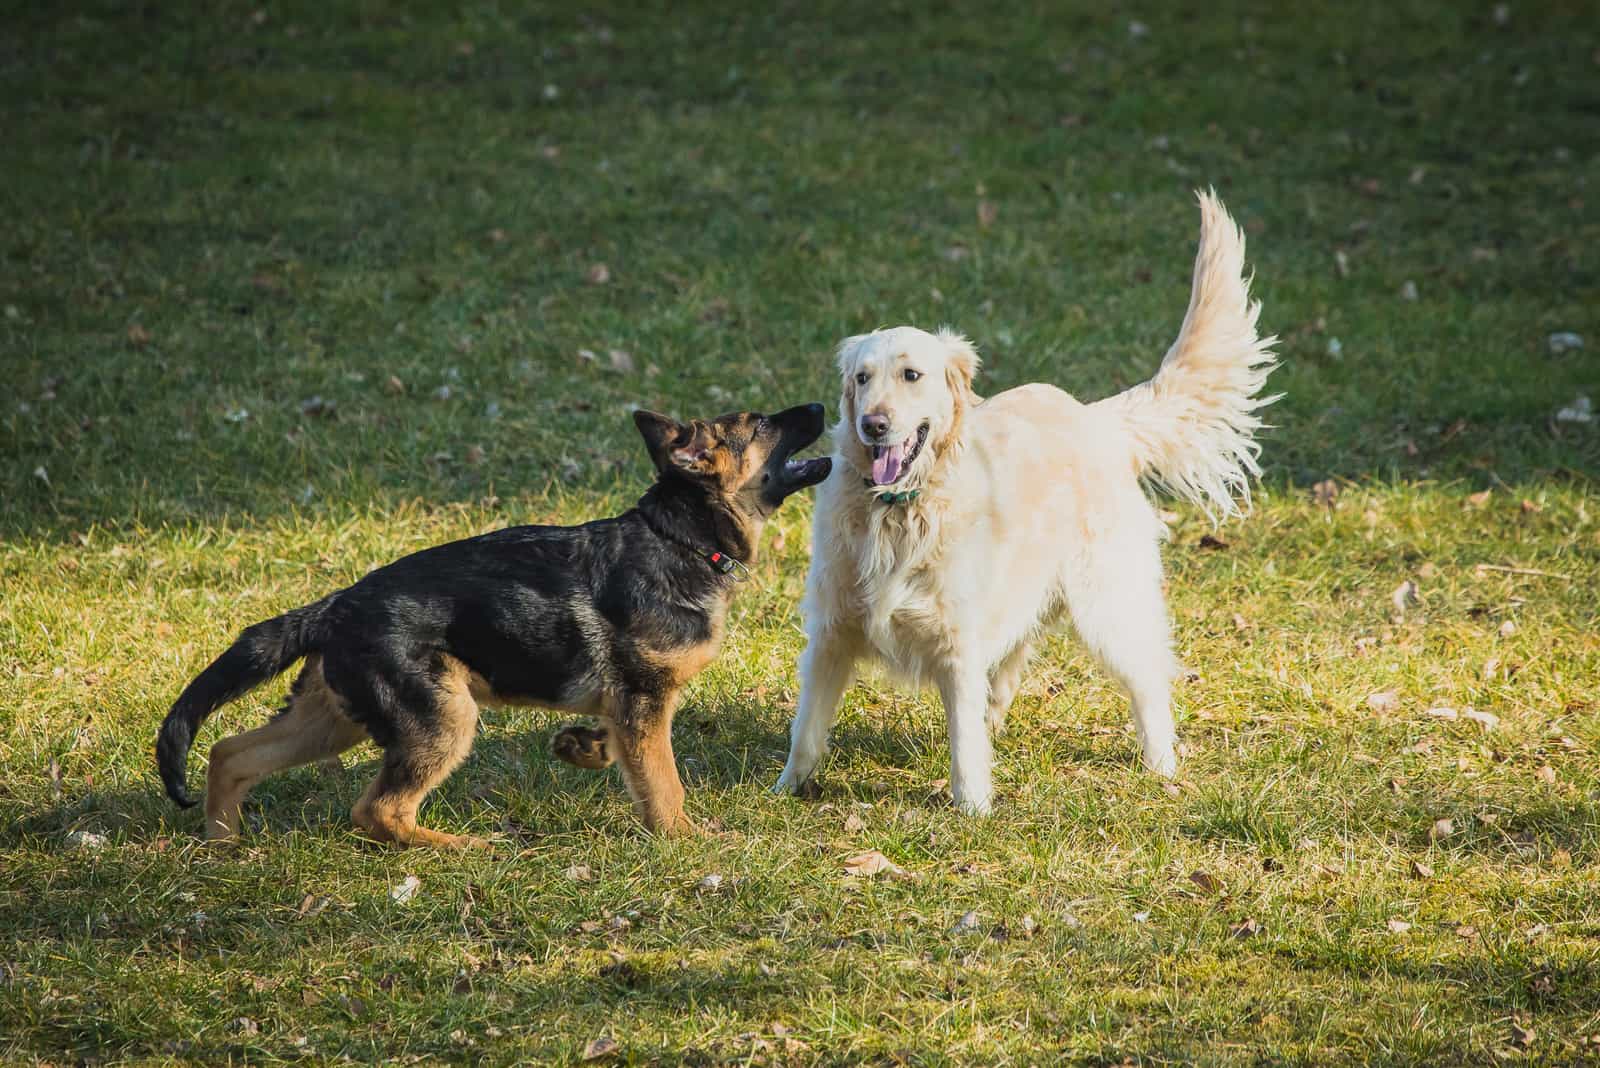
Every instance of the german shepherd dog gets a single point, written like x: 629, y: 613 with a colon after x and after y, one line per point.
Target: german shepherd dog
x: 608, y: 619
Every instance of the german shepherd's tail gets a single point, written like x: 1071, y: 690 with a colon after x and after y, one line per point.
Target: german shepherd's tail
x: 1193, y: 425
x: 261, y: 652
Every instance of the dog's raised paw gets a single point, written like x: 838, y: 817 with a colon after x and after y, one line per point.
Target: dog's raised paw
x: 583, y: 747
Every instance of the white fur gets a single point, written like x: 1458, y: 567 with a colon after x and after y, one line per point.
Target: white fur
x: 1030, y: 511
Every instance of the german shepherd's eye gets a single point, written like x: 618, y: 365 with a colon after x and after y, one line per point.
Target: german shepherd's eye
x: 861, y: 378
x: 912, y: 376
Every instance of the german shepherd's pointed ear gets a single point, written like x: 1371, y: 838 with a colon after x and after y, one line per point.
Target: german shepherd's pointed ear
x: 671, y: 443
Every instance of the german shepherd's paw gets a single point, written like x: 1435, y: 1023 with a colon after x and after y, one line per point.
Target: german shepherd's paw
x: 583, y: 747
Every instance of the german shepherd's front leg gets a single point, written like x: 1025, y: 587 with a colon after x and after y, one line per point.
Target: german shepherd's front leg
x: 641, y: 743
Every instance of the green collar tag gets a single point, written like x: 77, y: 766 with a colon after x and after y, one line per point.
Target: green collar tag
x: 903, y: 497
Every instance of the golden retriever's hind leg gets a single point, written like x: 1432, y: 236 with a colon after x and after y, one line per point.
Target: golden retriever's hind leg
x: 414, y: 763
x: 584, y: 747
x: 311, y: 726
x: 1004, y: 682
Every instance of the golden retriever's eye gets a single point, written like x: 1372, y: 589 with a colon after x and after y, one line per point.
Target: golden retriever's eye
x: 861, y: 378
x: 912, y: 376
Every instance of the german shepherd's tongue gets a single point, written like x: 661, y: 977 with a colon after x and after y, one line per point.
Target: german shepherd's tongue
x: 886, y: 461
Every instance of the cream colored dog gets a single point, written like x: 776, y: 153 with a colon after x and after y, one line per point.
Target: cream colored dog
x: 956, y: 530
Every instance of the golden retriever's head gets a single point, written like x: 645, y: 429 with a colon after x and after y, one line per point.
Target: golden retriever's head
x: 904, y: 393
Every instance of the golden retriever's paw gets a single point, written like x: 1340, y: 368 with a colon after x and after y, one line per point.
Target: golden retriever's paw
x: 583, y: 747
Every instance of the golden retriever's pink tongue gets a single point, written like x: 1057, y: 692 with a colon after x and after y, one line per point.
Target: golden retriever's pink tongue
x: 886, y: 461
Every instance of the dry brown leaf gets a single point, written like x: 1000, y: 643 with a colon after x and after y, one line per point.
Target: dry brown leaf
x: 1383, y: 701
x: 1545, y: 774
x: 871, y: 863
x: 1487, y: 720
x: 1444, y: 712
x: 1442, y: 828
x: 138, y: 335
x: 475, y: 454
x: 1478, y: 500
x: 987, y: 213
x: 621, y: 361
x: 1466, y: 930
x: 393, y: 386
x: 854, y: 824
x: 1507, y: 629
x: 1421, y: 870
x: 1521, y: 1036
x: 1246, y: 928
x: 1205, y: 881
x: 1398, y: 926
x: 600, y: 1048
x: 598, y: 275
x: 580, y: 873
x: 1325, y: 492
x: 1403, y: 595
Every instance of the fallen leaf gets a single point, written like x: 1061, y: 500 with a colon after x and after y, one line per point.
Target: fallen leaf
x: 244, y: 1025
x: 619, y: 923
x: 1172, y: 789
x: 87, y: 840
x: 405, y: 890
x: 1479, y: 499
x: 1325, y: 492
x: 580, y: 873
x: 987, y: 213
x: 1444, y: 712
x: 967, y: 924
x: 1522, y: 1036
x: 475, y: 454
x: 709, y: 883
x: 393, y: 386
x: 311, y: 905
x: 1271, y: 864
x: 1487, y: 720
x: 1246, y: 928
x: 1537, y: 930
x: 1403, y: 595
x: 1545, y: 774
x: 1466, y: 930
x: 1142, y: 916
x: 600, y: 1048
x: 871, y: 863
x: 1421, y: 870
x: 1507, y: 629
x: 1383, y: 701
x: 1442, y: 828
x: 138, y: 335
x: 854, y: 824
x: 1205, y: 881
x: 621, y: 361
x: 598, y: 275
x: 1398, y: 926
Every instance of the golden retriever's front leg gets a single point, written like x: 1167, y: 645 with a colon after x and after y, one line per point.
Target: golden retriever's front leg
x: 827, y: 667
x: 964, y: 686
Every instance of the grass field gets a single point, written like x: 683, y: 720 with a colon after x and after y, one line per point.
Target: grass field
x: 288, y: 289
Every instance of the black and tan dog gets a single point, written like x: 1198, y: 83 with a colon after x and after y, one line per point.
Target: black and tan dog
x: 608, y: 619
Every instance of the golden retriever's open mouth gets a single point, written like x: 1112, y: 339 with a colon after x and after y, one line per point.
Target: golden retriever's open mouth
x: 889, y: 462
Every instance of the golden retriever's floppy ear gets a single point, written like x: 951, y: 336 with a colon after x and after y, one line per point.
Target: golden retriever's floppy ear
x: 961, y: 365
x: 847, y: 382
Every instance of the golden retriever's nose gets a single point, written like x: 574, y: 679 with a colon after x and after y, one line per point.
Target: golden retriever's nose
x: 875, y: 425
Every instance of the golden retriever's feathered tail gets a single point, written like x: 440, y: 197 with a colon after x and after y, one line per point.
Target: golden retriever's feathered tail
x: 1193, y: 424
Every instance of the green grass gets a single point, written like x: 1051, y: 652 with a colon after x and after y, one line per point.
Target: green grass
x: 216, y: 209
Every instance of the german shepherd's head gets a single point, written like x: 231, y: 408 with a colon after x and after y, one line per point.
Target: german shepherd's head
x: 744, y: 460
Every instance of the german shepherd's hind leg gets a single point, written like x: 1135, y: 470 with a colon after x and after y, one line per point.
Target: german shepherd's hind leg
x: 641, y: 742
x: 584, y: 747
x: 312, y: 726
x: 417, y: 760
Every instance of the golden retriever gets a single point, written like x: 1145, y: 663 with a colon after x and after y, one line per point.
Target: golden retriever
x: 956, y: 530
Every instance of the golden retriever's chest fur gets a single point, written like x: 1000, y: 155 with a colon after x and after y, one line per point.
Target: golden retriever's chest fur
x: 898, y: 593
